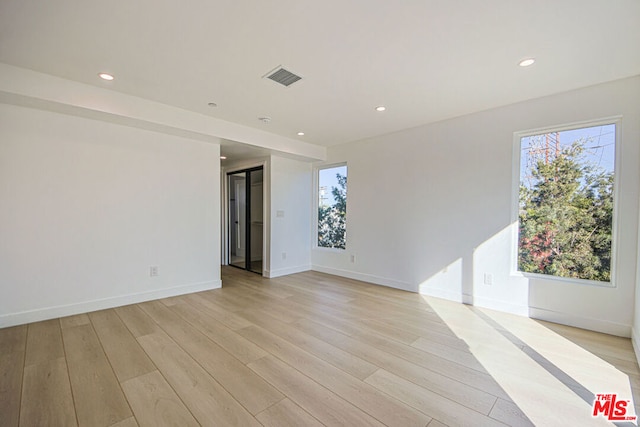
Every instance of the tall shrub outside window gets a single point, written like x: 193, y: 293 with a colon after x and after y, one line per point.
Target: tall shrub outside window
x: 332, y: 207
x: 566, y: 203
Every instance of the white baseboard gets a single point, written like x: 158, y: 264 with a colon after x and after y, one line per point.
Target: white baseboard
x: 366, y: 278
x: 507, y: 307
x: 635, y: 340
x: 46, y: 313
x: 442, y: 293
x: 598, y: 325
x: 286, y: 271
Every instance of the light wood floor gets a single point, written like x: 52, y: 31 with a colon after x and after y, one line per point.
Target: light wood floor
x: 306, y: 350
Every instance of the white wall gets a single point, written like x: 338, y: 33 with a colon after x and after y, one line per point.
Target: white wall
x: 429, y: 210
x: 87, y: 207
x: 291, y: 197
x: 635, y: 334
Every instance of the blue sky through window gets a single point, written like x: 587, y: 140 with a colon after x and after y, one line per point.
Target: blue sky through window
x: 326, y: 181
x: 599, y: 143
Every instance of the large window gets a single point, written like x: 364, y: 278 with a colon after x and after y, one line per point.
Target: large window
x: 332, y: 207
x: 566, y: 201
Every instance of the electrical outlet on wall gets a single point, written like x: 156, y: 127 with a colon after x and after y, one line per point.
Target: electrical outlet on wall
x: 153, y: 271
x: 284, y: 255
x: 488, y: 279
x: 352, y: 258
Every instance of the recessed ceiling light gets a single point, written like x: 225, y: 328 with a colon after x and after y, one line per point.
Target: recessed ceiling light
x: 212, y: 104
x: 526, y: 62
x: 300, y: 133
x: 381, y: 108
x: 223, y: 157
x: 265, y: 119
x: 106, y: 76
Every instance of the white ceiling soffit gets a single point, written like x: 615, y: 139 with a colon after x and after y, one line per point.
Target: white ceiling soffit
x: 424, y: 60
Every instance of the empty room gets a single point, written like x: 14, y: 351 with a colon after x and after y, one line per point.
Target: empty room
x: 296, y: 213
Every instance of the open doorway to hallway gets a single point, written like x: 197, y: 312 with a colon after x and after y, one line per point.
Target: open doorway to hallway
x: 246, y: 222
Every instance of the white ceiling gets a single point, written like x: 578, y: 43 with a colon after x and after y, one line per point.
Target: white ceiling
x: 234, y: 152
x: 426, y: 60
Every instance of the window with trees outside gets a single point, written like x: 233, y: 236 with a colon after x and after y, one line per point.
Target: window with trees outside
x: 332, y: 207
x: 566, y: 202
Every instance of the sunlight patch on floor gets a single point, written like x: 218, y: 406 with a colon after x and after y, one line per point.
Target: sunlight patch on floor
x: 595, y: 374
x: 541, y: 395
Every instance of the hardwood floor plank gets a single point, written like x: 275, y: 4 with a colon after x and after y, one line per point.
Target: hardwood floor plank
x: 358, y: 318
x: 13, y: 342
x: 136, y: 320
x: 11, y: 367
x: 475, y: 398
x: 253, y: 293
x: 324, y: 405
x: 44, y: 342
x: 326, y: 296
x: 436, y: 423
x: 617, y: 346
x: 260, y: 285
x: 626, y: 366
x: 358, y: 291
x: 243, y: 384
x: 286, y: 414
x: 510, y: 414
x: 472, y: 376
x: 243, y: 349
x: 71, y: 321
x: 207, y: 400
x: 432, y: 404
x: 388, y: 331
x: 154, y: 402
x: 171, y: 300
x: 200, y: 302
x: 343, y: 360
x: 402, y: 299
x: 309, y: 308
x: 46, y: 395
x: 273, y: 309
x: 463, y: 357
x: 97, y: 394
x: 421, y: 325
x: 13, y: 339
x: 237, y: 277
x: 372, y: 304
x: 287, y: 311
x: 129, y: 422
x: 427, y: 329
x: 305, y: 286
x: 126, y: 356
x: 231, y: 301
x: 388, y: 411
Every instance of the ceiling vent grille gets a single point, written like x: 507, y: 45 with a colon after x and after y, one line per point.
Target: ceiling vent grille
x: 282, y: 76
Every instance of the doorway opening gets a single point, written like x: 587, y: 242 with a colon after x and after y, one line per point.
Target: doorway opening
x: 246, y: 221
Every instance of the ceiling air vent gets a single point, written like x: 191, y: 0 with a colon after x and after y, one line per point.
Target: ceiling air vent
x: 282, y: 76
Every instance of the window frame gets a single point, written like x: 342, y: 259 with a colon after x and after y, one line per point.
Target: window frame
x: 316, y: 205
x: 515, y: 199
